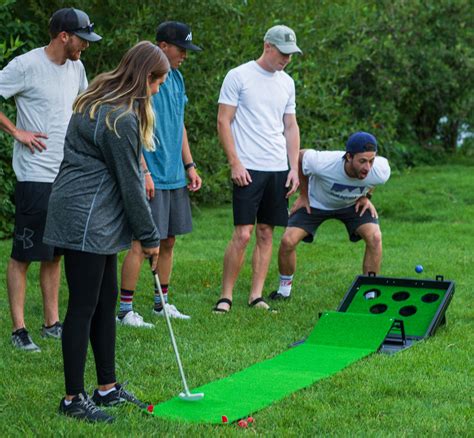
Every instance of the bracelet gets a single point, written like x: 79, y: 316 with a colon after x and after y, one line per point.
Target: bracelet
x: 189, y: 165
x: 146, y: 172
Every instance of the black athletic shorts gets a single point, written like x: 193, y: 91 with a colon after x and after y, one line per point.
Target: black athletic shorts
x: 31, y: 205
x: 264, y: 199
x: 310, y: 222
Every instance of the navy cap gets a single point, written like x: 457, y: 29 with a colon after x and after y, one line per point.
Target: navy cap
x: 73, y: 21
x: 179, y: 34
x: 361, y: 142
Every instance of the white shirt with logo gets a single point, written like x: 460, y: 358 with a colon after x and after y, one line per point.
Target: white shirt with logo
x: 44, y: 94
x: 330, y: 188
x: 262, y: 99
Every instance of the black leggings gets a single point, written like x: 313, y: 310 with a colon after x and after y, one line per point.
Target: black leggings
x: 92, y: 281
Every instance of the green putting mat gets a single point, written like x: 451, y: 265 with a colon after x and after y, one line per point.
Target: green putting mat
x: 339, y: 339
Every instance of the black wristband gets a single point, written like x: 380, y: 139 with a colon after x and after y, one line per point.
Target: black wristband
x: 368, y: 195
x: 189, y: 165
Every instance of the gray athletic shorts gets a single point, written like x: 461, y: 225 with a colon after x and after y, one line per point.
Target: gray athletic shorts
x: 171, y: 211
x: 310, y: 222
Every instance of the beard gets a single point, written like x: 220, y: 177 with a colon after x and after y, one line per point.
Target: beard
x: 73, y: 53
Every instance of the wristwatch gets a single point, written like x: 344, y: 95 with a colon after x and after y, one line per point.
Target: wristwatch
x: 189, y: 165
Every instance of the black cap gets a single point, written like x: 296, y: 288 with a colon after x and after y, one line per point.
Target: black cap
x: 179, y: 34
x: 73, y: 21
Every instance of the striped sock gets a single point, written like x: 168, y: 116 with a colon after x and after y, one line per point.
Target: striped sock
x: 126, y: 302
x: 285, y: 285
x: 158, y: 303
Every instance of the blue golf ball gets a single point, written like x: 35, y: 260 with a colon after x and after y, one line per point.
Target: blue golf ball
x: 419, y: 269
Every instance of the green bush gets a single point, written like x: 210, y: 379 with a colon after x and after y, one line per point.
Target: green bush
x: 393, y: 68
x: 13, y: 33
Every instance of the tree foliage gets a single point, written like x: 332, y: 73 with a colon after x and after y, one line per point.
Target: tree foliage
x: 401, y: 69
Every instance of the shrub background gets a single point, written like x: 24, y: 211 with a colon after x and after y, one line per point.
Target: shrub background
x: 401, y: 69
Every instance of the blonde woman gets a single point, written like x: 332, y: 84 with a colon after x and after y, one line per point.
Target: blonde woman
x: 97, y: 203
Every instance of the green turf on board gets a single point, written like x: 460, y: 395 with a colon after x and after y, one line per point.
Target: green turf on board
x: 416, y: 324
x: 338, y: 340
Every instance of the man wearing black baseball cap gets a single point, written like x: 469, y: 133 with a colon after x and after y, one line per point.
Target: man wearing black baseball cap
x: 45, y: 83
x: 335, y: 185
x: 170, y: 174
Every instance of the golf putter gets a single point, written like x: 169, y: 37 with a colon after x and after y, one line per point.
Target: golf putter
x: 186, y: 394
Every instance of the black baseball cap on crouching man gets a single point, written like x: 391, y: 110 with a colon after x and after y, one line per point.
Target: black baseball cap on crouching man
x: 179, y: 34
x: 73, y: 21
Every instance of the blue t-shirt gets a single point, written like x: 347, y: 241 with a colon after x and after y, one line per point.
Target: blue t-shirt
x: 166, y: 163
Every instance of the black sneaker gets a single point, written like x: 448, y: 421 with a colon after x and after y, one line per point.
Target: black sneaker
x: 83, y: 408
x: 53, y: 331
x: 118, y: 396
x: 21, y: 339
x: 275, y: 295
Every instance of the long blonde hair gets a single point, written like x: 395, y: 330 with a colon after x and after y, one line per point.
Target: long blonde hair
x: 128, y: 86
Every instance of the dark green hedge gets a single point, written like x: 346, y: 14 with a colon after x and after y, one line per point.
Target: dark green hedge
x: 400, y: 69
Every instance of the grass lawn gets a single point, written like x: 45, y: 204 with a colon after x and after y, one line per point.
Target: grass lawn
x: 426, y: 218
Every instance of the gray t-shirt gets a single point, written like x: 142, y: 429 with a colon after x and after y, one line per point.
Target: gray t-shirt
x: 44, y: 94
x: 330, y: 188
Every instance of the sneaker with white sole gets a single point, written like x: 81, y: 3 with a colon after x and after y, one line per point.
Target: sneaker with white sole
x: 172, y: 311
x: 134, y: 319
x: 21, y: 339
x: 116, y: 397
x: 83, y: 408
x: 53, y: 331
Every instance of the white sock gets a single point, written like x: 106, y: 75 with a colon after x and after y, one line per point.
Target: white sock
x: 103, y: 393
x: 285, y: 285
x: 67, y: 402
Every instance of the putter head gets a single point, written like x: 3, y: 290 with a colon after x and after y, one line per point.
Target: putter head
x: 187, y: 396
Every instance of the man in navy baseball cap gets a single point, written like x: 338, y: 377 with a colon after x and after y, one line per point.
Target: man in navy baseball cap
x: 335, y: 185
x: 73, y: 21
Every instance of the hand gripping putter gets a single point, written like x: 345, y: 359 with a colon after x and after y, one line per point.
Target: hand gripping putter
x: 186, y: 394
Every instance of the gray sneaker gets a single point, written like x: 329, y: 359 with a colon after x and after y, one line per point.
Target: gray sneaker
x: 83, y: 408
x: 21, y: 339
x: 53, y: 331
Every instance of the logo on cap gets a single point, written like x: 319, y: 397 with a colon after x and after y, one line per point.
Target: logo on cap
x: 189, y: 37
x: 290, y: 38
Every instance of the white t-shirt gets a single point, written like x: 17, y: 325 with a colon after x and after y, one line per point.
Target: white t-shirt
x: 262, y: 99
x: 44, y: 93
x: 329, y: 186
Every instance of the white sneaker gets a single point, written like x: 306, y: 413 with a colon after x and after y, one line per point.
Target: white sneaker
x: 172, y: 311
x: 134, y: 319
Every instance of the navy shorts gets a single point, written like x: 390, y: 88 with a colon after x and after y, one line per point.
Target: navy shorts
x: 31, y: 206
x: 263, y: 200
x: 171, y: 211
x: 348, y: 215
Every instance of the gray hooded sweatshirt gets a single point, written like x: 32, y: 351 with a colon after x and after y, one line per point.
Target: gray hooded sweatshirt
x: 98, y: 199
